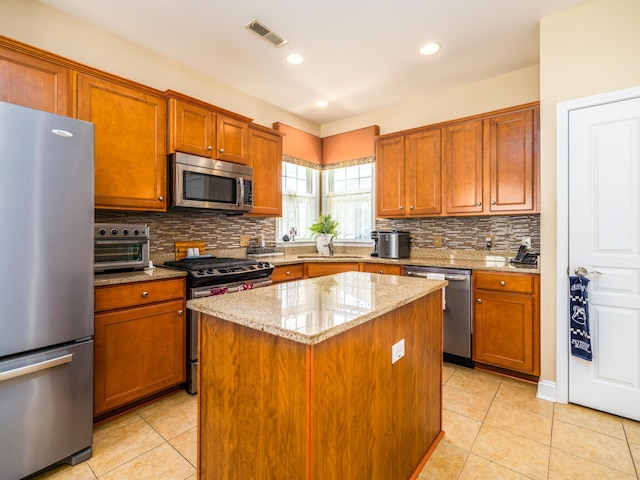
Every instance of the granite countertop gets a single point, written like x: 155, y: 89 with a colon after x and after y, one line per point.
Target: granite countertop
x: 158, y: 273
x: 313, y: 310
x: 474, y: 260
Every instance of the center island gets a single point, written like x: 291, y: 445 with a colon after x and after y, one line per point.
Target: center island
x: 335, y: 377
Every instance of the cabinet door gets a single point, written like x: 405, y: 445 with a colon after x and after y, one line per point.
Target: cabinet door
x: 506, y: 332
x: 463, y: 168
x: 390, y: 175
x: 424, y: 172
x: 192, y: 128
x: 266, y: 160
x: 32, y: 82
x: 232, y: 140
x: 512, y: 160
x: 138, y: 352
x: 129, y: 144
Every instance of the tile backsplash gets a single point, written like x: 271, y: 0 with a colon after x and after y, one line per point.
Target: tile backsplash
x: 468, y: 233
x: 222, y: 231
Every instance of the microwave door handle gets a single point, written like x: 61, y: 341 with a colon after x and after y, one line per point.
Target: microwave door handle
x: 240, y: 199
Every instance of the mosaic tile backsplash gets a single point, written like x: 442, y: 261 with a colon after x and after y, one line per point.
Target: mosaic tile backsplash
x: 222, y: 231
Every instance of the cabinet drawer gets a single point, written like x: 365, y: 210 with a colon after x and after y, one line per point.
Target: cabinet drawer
x: 286, y: 273
x: 506, y: 282
x: 382, y: 268
x: 329, y: 268
x: 137, y: 293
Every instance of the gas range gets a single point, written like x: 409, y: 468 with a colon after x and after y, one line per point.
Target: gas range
x: 218, y: 270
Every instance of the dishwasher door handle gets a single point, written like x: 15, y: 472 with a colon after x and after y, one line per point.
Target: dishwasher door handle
x: 451, y: 278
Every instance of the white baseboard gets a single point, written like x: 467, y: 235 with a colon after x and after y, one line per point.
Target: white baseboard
x: 547, y: 390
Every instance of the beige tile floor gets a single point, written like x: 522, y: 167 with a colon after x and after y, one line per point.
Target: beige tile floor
x: 495, y: 428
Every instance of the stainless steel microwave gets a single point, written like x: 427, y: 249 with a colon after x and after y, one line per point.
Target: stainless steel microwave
x: 200, y: 182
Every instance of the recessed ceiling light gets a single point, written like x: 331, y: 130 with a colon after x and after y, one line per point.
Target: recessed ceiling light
x: 430, y: 48
x: 322, y: 103
x: 295, y: 59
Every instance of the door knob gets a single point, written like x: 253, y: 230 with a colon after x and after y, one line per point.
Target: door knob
x: 583, y: 272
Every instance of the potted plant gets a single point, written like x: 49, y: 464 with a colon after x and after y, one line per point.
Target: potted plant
x: 324, y: 230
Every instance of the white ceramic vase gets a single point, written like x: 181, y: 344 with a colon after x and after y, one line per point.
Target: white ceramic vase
x: 322, y: 243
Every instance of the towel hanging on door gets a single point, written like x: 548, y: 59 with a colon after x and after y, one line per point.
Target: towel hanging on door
x: 579, y: 318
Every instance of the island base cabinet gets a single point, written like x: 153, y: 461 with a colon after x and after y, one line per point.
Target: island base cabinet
x: 270, y: 407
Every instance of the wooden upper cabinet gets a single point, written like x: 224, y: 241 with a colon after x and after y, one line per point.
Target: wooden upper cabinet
x: 463, y: 168
x: 33, y: 82
x: 390, y: 177
x: 201, y: 129
x: 265, y: 146
x: 232, y: 140
x: 424, y: 172
x: 192, y: 128
x: 129, y: 144
x: 512, y: 159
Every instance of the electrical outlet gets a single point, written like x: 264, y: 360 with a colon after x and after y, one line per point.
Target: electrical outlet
x: 526, y: 241
x: 244, y: 240
x: 437, y: 241
x: 397, y: 351
x: 489, y: 241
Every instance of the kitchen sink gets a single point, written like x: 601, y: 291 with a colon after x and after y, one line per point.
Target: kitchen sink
x: 355, y: 257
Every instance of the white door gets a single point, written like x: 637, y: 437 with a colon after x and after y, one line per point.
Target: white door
x: 604, y: 237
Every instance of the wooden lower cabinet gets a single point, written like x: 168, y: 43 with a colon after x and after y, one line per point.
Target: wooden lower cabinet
x: 382, y: 268
x: 140, y: 349
x: 506, y: 332
x: 287, y: 273
x: 273, y: 408
x: 329, y: 268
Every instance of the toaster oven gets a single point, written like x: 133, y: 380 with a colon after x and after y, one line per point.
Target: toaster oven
x: 120, y: 247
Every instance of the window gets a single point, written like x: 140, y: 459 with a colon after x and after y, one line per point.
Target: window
x: 299, y: 200
x: 348, y: 194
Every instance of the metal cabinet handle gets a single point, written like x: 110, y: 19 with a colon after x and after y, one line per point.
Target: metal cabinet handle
x: 36, y: 367
x: 479, y: 300
x: 145, y: 294
x: 222, y: 150
x: 209, y: 147
x: 493, y: 202
x: 503, y: 283
x: 401, y: 207
x: 411, y: 207
x: 381, y: 271
x: 161, y: 198
x: 479, y: 204
x: 288, y: 273
x: 180, y: 312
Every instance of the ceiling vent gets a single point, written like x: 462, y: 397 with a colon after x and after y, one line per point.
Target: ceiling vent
x: 266, y: 33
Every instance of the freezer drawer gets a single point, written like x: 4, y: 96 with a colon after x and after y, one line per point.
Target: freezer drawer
x: 46, y: 409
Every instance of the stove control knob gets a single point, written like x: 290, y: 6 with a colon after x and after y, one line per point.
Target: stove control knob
x: 125, y: 231
x: 114, y: 231
x: 210, y: 271
x: 102, y: 232
x: 200, y: 272
x: 136, y: 231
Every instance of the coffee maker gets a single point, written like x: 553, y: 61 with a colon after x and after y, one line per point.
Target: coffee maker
x: 374, y: 237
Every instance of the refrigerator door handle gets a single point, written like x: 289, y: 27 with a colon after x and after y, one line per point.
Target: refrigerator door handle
x: 36, y: 367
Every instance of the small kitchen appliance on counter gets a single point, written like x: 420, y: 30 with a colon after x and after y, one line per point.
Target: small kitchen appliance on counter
x: 391, y: 244
x: 120, y: 247
x: 208, y: 276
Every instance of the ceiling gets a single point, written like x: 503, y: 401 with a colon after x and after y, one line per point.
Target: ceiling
x: 359, y: 55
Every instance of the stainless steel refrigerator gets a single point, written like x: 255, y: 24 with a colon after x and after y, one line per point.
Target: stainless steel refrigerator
x: 46, y: 290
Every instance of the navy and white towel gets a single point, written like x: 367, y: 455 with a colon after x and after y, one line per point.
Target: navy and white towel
x: 579, y: 318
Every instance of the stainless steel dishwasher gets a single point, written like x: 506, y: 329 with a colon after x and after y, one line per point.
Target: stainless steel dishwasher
x: 457, y: 310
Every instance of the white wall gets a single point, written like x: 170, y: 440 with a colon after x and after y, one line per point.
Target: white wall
x: 584, y: 51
